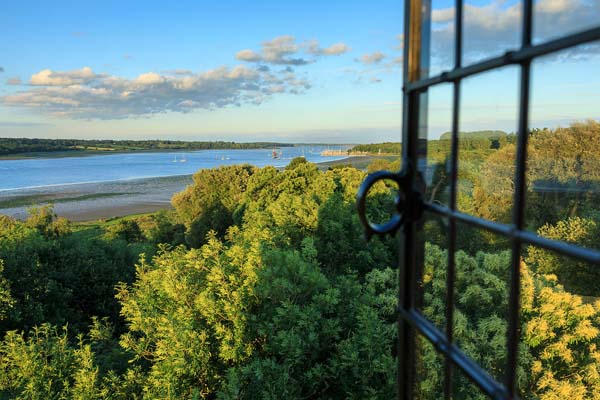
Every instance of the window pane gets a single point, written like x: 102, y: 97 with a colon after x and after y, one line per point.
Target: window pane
x: 437, y: 130
x: 490, y: 28
x: 433, y: 283
x: 552, y: 18
x: 560, y: 327
x: 442, y: 37
x: 463, y: 388
x: 429, y: 371
x: 481, y: 297
x: 486, y: 154
x: 563, y: 170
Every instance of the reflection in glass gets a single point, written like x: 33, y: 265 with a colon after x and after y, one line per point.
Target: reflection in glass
x: 552, y: 19
x: 437, y: 132
x: 442, y: 37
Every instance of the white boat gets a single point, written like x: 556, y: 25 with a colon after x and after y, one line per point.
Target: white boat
x: 183, y: 159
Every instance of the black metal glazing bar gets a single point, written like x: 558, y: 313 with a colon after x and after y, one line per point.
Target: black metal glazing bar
x: 410, y: 112
x: 478, y: 375
x: 451, y: 270
x: 563, y: 248
x: 513, y: 336
x: 511, y: 57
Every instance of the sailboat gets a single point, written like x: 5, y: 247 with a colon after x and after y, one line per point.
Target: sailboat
x: 183, y: 159
x: 275, y: 156
x: 175, y: 159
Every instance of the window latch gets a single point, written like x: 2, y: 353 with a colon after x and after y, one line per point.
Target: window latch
x: 408, y: 203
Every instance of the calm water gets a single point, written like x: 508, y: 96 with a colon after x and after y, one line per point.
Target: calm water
x: 21, y: 174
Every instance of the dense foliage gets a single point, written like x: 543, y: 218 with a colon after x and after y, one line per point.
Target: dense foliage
x: 378, y: 148
x: 259, y: 285
x: 476, y: 140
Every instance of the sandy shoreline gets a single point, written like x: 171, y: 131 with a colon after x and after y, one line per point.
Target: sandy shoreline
x: 93, y: 201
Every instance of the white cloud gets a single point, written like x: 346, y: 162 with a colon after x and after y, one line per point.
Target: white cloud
x: 150, y: 78
x: 48, y: 77
x: 85, y: 94
x: 336, y: 49
x: 248, y: 55
x: 493, y: 28
x: 400, y: 39
x: 276, y: 51
x: 179, y: 72
x: 373, y: 58
x: 14, y: 81
x: 283, y: 50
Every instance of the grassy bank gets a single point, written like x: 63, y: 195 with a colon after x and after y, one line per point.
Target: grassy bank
x: 37, y: 199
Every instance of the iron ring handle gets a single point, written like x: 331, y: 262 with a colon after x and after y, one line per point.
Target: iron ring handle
x: 392, y: 225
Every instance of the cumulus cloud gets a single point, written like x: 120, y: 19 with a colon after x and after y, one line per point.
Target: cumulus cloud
x: 283, y: 50
x: 179, y: 72
x: 313, y: 47
x: 85, y: 94
x: 48, y: 77
x: 373, y: 58
x: 248, y: 55
x: 13, y: 81
x: 279, y: 50
x: 400, y: 39
x: 395, y: 62
x: 493, y: 28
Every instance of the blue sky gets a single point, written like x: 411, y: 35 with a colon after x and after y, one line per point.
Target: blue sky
x: 268, y: 70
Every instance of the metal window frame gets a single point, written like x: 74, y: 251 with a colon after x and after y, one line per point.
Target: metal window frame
x: 411, y: 321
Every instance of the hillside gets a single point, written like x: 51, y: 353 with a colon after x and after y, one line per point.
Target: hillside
x: 476, y: 135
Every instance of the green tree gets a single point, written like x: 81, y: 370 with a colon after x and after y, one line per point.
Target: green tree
x: 126, y: 229
x: 209, y: 204
x: 577, y: 276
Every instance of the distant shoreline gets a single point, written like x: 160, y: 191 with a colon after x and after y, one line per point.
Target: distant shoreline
x: 93, y: 201
x: 90, y: 153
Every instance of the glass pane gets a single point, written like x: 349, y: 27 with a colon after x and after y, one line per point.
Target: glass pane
x: 433, y: 283
x: 563, y: 170
x: 552, y: 18
x: 464, y: 389
x: 488, y: 113
x: 481, y: 297
x: 438, y: 133
x: 560, y: 332
x: 490, y: 28
x: 442, y: 37
x: 429, y: 371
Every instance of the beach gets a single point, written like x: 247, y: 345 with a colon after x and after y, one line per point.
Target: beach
x: 93, y: 201
x: 104, y: 200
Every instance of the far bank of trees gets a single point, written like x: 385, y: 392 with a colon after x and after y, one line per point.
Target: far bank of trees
x: 15, y: 146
